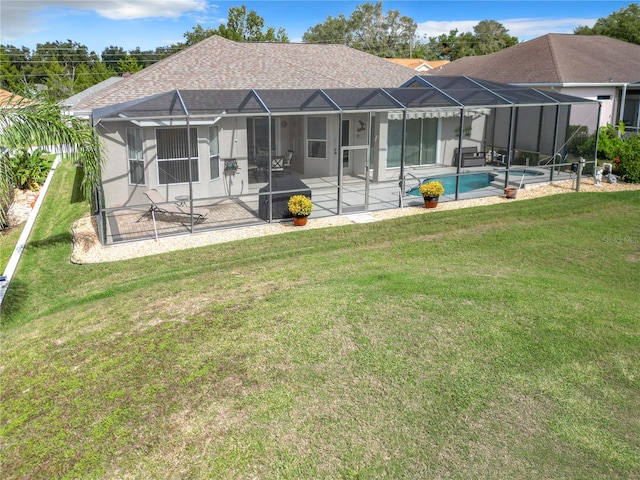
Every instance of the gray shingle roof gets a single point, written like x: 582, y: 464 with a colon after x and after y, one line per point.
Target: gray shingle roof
x: 218, y: 63
x: 74, y: 99
x: 554, y: 59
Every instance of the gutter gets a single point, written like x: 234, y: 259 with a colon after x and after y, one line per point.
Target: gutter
x: 581, y: 84
x: 5, y: 279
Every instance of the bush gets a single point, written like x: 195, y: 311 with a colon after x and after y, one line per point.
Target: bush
x: 30, y: 169
x: 629, y: 165
x: 609, y: 143
x: 578, y: 139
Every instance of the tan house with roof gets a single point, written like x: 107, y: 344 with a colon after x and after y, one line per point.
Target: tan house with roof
x: 234, y: 129
x: 588, y: 66
x: 10, y: 100
x: 418, y: 64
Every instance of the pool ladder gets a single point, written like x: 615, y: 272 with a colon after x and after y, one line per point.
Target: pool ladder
x: 402, y: 186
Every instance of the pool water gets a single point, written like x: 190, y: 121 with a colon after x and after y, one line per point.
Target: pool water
x: 468, y: 183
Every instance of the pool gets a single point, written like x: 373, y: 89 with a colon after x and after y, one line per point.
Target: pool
x: 468, y: 183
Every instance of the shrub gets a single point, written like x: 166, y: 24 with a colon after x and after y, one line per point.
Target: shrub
x: 609, y: 144
x: 578, y: 138
x: 629, y: 165
x: 30, y: 169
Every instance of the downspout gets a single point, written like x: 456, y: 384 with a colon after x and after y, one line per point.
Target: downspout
x: 623, y: 99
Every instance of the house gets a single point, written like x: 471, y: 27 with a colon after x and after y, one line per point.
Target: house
x: 69, y: 104
x: 11, y: 100
x: 588, y: 66
x: 418, y: 64
x: 237, y: 128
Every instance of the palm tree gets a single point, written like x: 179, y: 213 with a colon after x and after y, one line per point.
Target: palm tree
x: 26, y: 124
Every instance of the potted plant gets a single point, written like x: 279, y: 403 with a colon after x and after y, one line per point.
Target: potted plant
x: 510, y: 192
x: 300, y: 207
x: 430, y: 191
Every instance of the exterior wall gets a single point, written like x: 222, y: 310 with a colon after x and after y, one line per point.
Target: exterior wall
x: 582, y: 115
x: 473, y: 135
x: 118, y: 192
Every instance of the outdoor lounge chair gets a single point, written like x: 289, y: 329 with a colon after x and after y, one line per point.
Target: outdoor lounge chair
x: 159, y: 205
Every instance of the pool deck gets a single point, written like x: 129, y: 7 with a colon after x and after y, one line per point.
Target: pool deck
x: 357, y: 196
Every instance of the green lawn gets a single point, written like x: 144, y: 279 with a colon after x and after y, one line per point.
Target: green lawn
x: 8, y: 241
x: 490, y: 342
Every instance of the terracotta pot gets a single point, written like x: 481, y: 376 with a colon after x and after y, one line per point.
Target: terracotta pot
x: 31, y: 199
x: 510, y: 192
x: 300, y: 221
x: 431, y: 202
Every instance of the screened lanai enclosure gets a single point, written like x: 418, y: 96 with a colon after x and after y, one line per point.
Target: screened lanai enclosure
x: 187, y: 161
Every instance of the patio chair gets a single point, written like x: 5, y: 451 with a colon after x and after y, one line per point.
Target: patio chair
x: 287, y: 162
x: 277, y: 165
x: 159, y: 205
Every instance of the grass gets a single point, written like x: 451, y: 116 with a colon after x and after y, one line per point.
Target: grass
x: 8, y: 241
x: 492, y: 342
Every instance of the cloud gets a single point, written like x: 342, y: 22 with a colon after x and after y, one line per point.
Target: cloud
x: 523, y: 28
x: 527, y: 28
x: 20, y: 17
x: 127, y: 10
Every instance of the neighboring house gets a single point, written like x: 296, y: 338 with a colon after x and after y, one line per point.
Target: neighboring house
x: 588, y: 66
x: 69, y: 104
x: 10, y: 100
x: 214, y: 123
x: 418, y: 64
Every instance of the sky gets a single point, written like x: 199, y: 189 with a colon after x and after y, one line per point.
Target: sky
x: 149, y: 24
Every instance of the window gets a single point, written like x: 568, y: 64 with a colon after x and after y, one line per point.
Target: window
x: 173, y: 155
x: 214, y: 153
x: 134, y: 156
x: 420, y: 148
x: 316, y: 137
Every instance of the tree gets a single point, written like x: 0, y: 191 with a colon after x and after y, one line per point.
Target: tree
x: 30, y: 124
x: 332, y: 31
x: 488, y: 37
x: 249, y: 27
x: 491, y: 36
x: 14, y: 69
x: 450, y: 46
x: 198, y: 34
x: 623, y: 25
x: 112, y: 55
x: 241, y: 26
x: 368, y: 29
